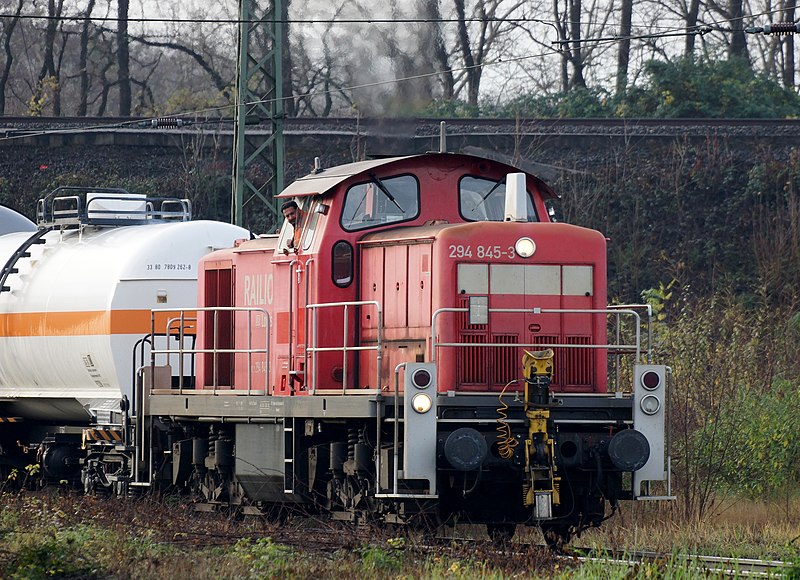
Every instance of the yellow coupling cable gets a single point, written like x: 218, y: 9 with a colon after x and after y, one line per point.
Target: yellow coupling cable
x: 507, y: 443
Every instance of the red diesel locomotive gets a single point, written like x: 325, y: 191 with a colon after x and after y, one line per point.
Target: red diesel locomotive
x: 434, y: 349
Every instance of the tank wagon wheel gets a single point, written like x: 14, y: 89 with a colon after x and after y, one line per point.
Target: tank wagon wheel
x: 501, y: 534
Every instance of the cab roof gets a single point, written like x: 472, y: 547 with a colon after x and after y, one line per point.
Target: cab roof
x: 326, y: 179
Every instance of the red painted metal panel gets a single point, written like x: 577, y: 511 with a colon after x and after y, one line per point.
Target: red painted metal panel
x: 372, y: 276
x: 395, y: 289
x: 420, y: 282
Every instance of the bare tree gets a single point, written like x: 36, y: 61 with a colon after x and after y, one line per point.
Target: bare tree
x: 220, y: 83
x: 433, y: 44
x: 123, y: 59
x: 733, y: 12
x: 624, y: 54
x: 692, y: 12
x: 83, y: 59
x: 492, y: 23
x: 9, y: 24
x: 48, y: 79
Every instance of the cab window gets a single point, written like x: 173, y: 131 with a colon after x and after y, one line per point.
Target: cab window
x: 380, y: 201
x: 310, y: 225
x: 307, y: 225
x: 482, y: 200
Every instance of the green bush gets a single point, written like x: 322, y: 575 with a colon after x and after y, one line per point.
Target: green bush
x: 62, y: 554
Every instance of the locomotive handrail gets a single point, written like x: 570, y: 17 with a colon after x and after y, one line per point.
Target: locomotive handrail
x: 181, y: 351
x: 649, y: 310
x: 314, y: 349
x: 637, y: 346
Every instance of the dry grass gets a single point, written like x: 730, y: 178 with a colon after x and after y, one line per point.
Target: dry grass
x: 737, y: 528
x: 68, y: 536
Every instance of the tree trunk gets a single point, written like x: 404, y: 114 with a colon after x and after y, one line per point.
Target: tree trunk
x: 691, y: 24
x: 83, y: 61
x: 788, y: 46
x: 738, y: 46
x: 9, y: 24
x: 560, y: 20
x: 466, y: 54
x: 624, y: 55
x: 48, y: 78
x: 430, y: 11
x: 577, y: 53
x: 123, y: 59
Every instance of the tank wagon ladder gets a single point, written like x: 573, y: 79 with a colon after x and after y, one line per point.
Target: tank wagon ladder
x: 22, y: 252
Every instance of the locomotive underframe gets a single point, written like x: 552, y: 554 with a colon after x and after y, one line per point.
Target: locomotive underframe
x: 319, y: 454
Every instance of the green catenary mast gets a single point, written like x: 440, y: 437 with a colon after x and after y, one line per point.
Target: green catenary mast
x: 259, y: 94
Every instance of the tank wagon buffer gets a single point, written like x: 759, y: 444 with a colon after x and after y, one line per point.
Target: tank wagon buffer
x: 76, y: 294
x: 380, y: 368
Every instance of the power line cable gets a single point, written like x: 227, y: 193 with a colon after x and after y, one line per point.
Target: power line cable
x: 172, y: 120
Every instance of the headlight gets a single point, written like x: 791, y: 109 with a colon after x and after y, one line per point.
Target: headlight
x: 525, y: 247
x: 650, y: 404
x: 421, y: 403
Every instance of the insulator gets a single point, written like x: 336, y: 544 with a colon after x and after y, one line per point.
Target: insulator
x: 167, y: 122
x: 781, y: 28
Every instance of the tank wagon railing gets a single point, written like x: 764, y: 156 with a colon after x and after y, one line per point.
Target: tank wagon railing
x: 314, y: 349
x: 176, y: 326
x: 102, y: 206
x: 616, y: 348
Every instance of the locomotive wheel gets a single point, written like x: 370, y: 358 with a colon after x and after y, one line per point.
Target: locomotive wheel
x: 501, y: 534
x: 556, y: 536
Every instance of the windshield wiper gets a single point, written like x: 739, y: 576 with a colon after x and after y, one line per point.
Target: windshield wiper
x: 488, y: 193
x: 385, y: 191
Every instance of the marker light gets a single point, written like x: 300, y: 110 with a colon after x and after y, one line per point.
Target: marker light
x: 421, y: 378
x: 421, y: 403
x: 650, y: 404
x: 525, y: 247
x: 650, y: 380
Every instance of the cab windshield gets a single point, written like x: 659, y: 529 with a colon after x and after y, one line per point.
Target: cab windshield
x: 484, y: 200
x: 380, y: 201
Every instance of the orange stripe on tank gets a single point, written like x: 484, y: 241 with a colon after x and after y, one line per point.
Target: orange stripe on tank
x: 87, y: 323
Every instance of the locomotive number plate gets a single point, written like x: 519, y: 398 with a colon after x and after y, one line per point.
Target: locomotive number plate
x: 482, y: 252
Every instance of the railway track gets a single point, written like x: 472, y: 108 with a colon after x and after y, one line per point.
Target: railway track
x: 712, y: 565
x: 415, y: 128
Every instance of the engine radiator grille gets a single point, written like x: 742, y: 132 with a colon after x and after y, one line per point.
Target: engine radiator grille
x: 488, y: 366
x: 492, y: 367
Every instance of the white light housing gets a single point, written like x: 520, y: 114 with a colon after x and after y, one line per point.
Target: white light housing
x: 421, y: 403
x: 650, y: 404
x: 525, y: 247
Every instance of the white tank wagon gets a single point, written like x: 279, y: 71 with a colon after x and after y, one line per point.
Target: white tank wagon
x: 11, y: 221
x: 76, y: 300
